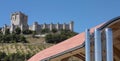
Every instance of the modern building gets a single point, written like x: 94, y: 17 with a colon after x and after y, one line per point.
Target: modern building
x: 19, y: 19
x: 75, y: 46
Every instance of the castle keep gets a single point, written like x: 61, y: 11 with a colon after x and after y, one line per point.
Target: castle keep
x: 19, y: 19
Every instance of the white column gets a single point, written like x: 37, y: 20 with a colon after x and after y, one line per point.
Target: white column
x: 87, y: 45
x: 98, y: 54
x: 109, y: 44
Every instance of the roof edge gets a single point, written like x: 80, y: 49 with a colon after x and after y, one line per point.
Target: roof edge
x: 64, y: 52
x: 109, y: 22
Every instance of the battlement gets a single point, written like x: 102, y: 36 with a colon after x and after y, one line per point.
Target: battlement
x: 19, y: 19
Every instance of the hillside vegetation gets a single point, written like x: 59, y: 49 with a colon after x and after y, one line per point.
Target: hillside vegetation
x: 20, y: 51
x: 56, y: 37
x: 20, y: 47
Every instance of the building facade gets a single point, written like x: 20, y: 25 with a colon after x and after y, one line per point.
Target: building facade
x: 19, y: 19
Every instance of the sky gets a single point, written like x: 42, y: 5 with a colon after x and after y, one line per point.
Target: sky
x: 84, y: 13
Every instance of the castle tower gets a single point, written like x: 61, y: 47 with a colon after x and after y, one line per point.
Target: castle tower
x: 71, y: 25
x: 21, y: 27
x: 44, y: 26
x: 19, y: 19
x: 64, y: 26
x: 57, y: 26
x: 35, y: 24
x: 4, y: 29
x: 12, y: 28
x: 51, y: 26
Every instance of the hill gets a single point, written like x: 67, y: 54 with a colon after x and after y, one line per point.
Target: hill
x: 21, y: 51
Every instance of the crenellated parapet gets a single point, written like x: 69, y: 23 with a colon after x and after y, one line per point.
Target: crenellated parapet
x: 19, y: 19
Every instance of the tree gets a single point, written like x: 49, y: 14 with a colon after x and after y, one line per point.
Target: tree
x: 17, y: 30
x: 59, y: 37
x: 2, y: 55
x: 22, y: 39
x: 12, y: 38
x: 48, y: 38
x: 54, y: 30
x: 27, y: 31
x: 1, y: 37
x: 43, y: 31
x: 7, y: 31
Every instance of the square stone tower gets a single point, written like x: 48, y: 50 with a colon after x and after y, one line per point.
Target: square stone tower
x: 18, y: 19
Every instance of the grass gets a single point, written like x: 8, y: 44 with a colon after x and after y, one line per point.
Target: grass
x: 34, y: 46
x: 22, y: 47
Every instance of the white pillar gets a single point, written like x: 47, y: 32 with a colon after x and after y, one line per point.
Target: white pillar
x: 98, y: 54
x: 109, y: 44
x: 87, y: 45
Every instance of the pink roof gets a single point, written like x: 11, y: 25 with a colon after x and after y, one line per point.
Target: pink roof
x: 61, y: 47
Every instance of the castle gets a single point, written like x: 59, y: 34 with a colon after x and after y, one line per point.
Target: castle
x: 19, y: 19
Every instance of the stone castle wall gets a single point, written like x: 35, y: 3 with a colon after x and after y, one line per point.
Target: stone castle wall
x: 19, y: 19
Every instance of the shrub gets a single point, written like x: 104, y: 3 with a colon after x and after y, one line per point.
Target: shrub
x: 12, y: 38
x: 54, y: 30
x: 17, y: 30
x: 27, y: 31
x: 59, y: 37
x: 43, y: 31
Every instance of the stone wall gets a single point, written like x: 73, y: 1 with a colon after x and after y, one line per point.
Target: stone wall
x: 19, y: 19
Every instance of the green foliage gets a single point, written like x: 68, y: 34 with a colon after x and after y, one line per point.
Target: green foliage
x: 17, y: 30
x: 43, y: 31
x: 19, y: 51
x: 59, y: 37
x: 54, y: 30
x: 22, y: 39
x: 2, y: 55
x: 7, y: 31
x: 0, y: 31
x: 14, y: 56
x: 27, y: 31
x: 12, y: 38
